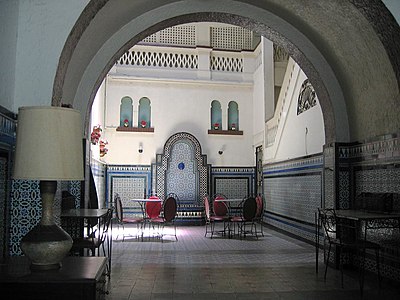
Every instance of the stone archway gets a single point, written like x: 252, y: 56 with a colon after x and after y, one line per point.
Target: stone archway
x: 315, y: 36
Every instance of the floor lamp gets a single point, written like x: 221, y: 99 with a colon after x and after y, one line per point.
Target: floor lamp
x: 49, y: 149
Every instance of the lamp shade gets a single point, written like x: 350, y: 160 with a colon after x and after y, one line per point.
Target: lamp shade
x: 49, y: 144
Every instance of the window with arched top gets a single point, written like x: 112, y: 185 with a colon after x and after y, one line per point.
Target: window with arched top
x: 233, y: 116
x: 144, y: 117
x: 126, y: 112
x: 216, y: 115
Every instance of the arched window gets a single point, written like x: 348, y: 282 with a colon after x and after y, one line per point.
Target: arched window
x: 125, y: 111
x: 233, y: 116
x: 307, y: 97
x: 216, y: 115
x: 144, y: 117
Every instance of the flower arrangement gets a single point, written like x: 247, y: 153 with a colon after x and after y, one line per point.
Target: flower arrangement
x: 126, y: 123
x: 103, y: 149
x: 216, y: 126
x: 233, y: 126
x: 143, y: 123
x: 96, y: 134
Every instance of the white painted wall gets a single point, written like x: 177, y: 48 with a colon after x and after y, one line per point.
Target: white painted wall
x: 97, y: 118
x: 34, y: 35
x: 8, y: 42
x: 176, y: 107
x: 301, y: 134
x: 258, y: 107
x: 394, y: 7
x: 184, y: 105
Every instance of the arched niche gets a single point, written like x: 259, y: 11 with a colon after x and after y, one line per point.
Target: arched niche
x: 126, y: 111
x: 182, y: 169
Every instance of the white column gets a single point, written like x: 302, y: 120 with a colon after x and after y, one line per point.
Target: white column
x: 203, y: 71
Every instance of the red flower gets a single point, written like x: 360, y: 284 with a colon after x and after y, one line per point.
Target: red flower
x: 126, y: 121
x: 143, y: 123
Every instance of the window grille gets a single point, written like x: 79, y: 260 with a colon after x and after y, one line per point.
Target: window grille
x: 159, y: 59
x: 226, y: 64
x: 231, y: 38
x: 307, y: 97
x: 182, y: 35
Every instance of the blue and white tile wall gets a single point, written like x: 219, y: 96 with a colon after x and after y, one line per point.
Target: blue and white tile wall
x: 373, y: 167
x: 292, y: 194
x: 233, y: 182
x: 99, y: 170
x: 7, y: 143
x: 130, y: 182
x: 26, y: 208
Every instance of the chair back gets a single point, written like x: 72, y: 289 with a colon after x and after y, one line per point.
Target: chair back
x: 260, y: 206
x: 106, y: 224
x: 249, y: 209
x: 220, y: 208
x: 328, y: 222
x: 207, y: 207
x: 170, y: 209
x: 118, y: 208
x: 153, y: 208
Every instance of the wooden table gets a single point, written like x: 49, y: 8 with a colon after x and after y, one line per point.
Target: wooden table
x: 78, y: 278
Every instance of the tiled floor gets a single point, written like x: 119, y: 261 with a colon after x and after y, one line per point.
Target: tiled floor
x: 194, y: 267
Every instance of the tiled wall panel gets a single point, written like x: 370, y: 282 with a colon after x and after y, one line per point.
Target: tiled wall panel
x: 292, y: 194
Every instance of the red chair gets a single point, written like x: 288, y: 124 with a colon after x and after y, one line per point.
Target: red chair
x: 168, y: 215
x: 246, y: 218
x: 219, y: 215
x: 258, y: 219
x: 138, y: 221
x: 153, y: 210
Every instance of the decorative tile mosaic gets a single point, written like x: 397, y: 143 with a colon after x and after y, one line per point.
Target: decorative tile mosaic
x: 373, y: 167
x: 292, y: 194
x: 129, y: 188
x: 233, y: 182
x: 232, y: 187
x: 304, y: 193
x: 199, y: 164
x: 130, y: 182
x: 3, y: 199
x: 386, y: 149
x: 99, y: 177
x: 378, y: 180
x: 307, y: 97
x: 26, y: 210
x: 181, y: 175
x: 329, y: 198
x: 344, y: 189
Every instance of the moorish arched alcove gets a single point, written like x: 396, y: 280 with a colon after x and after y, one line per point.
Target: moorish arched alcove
x: 182, y: 169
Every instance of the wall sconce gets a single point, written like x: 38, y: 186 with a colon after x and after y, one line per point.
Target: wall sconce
x: 140, y: 150
x: 221, y: 150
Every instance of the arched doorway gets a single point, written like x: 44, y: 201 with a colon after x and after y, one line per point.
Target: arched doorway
x: 79, y: 83
x: 317, y: 37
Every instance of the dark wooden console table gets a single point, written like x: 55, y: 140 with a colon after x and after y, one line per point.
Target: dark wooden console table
x: 78, y: 278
